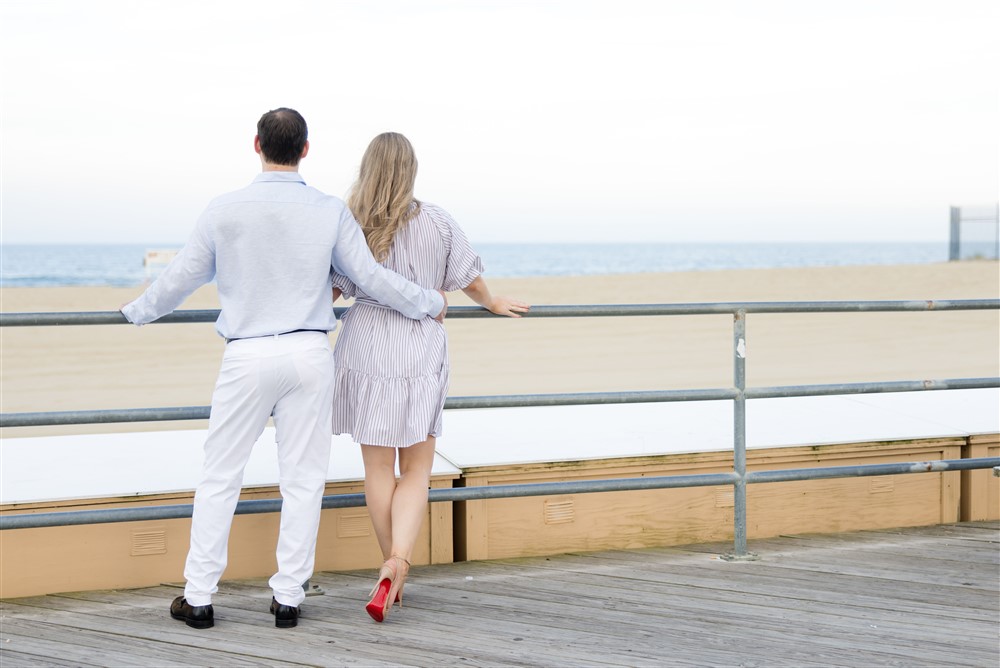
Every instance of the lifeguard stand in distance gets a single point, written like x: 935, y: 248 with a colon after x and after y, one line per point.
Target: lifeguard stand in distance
x: 155, y: 261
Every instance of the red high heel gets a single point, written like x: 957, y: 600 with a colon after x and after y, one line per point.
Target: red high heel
x: 389, y: 588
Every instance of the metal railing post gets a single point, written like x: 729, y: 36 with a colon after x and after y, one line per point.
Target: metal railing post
x: 740, y: 552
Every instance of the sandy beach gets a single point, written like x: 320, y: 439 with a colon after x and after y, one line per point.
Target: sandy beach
x: 66, y: 368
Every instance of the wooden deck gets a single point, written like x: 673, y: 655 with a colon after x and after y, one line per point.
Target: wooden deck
x: 907, y: 597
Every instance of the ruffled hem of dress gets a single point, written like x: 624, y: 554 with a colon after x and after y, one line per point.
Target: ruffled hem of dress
x: 388, y: 411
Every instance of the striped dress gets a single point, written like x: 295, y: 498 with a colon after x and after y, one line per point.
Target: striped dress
x: 391, y: 372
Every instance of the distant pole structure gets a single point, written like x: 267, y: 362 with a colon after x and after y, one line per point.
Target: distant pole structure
x: 974, y: 233
x: 955, y: 245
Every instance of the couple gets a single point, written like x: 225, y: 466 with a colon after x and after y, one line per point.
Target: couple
x: 280, y: 252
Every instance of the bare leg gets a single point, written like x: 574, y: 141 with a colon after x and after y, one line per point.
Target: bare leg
x: 380, y: 487
x: 397, y: 510
x: 409, y: 503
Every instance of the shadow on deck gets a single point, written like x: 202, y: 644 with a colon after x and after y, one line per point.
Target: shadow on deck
x: 920, y: 596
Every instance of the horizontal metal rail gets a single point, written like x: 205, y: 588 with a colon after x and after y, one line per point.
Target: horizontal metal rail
x: 865, y: 470
x: 29, y: 520
x: 787, y: 391
x: 171, y: 413
x: 554, y: 311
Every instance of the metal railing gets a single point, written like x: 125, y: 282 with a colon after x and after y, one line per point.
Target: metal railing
x: 739, y: 478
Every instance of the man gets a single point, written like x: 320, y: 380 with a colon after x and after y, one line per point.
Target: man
x: 271, y: 247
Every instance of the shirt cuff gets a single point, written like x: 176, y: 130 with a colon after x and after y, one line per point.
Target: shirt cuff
x: 132, y: 313
x: 439, y: 301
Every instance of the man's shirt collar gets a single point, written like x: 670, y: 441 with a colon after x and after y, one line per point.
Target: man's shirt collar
x: 287, y: 177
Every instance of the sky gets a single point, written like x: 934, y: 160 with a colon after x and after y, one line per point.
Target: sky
x: 561, y: 121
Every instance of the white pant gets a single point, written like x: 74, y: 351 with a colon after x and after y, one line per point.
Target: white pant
x: 292, y: 376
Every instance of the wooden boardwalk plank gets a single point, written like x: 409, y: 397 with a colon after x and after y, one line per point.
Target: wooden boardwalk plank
x: 893, y: 597
x: 636, y: 593
x: 345, y: 604
x: 983, y: 538
x: 122, y: 637
x: 22, y: 660
x: 245, y: 618
x: 749, y: 587
x: 636, y: 622
x: 340, y: 620
x: 106, y: 647
x: 764, y: 613
x: 916, y: 570
x: 781, y: 579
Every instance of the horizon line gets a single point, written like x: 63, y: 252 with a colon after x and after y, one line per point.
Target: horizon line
x: 179, y: 244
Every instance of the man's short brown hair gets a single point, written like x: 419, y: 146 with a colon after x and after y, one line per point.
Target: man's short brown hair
x: 282, y: 133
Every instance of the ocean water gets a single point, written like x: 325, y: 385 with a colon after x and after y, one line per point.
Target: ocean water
x: 49, y: 265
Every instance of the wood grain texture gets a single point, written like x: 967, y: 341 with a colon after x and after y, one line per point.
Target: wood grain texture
x: 897, y: 597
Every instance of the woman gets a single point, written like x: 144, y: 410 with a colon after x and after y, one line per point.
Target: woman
x: 392, y: 372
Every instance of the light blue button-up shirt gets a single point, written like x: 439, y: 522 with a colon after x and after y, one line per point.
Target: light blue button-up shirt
x: 271, y: 247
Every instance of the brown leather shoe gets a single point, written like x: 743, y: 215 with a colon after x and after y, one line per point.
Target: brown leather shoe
x: 285, y: 616
x: 195, y: 616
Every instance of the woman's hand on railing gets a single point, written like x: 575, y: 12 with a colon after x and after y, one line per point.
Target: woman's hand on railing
x: 479, y: 292
x: 512, y: 308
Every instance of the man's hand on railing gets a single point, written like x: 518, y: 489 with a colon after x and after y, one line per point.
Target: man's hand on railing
x: 444, y: 311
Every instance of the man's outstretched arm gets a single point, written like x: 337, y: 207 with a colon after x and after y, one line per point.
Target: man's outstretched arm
x: 193, y: 267
x: 352, y: 258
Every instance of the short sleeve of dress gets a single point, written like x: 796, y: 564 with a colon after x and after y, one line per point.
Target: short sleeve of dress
x: 345, y: 285
x: 463, y: 264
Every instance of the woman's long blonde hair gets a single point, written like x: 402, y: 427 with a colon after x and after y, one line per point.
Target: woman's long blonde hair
x: 382, y: 198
